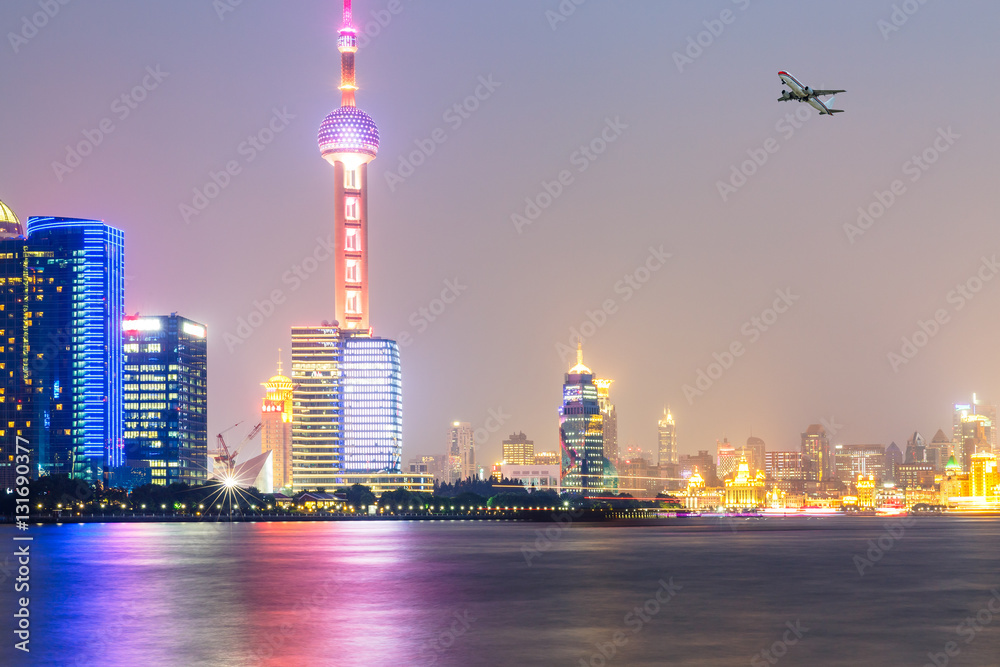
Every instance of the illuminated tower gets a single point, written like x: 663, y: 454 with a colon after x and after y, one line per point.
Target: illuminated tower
x: 276, y: 427
x: 348, y: 140
x: 12, y: 330
x: 668, y: 439
x: 581, y: 432
x: 609, y: 419
x: 816, y: 451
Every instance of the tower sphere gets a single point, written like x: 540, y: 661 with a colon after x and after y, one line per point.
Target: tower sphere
x: 348, y: 131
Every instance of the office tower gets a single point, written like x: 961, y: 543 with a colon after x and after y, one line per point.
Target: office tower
x: 276, y: 426
x: 853, y: 460
x: 317, y: 446
x: 784, y: 465
x: 461, y: 452
x: 975, y: 437
x: 372, y: 397
x: 75, y: 300
x: 703, y: 462
x: 916, y: 449
x: 726, y: 457
x: 12, y: 293
x: 985, y: 411
x: 548, y: 458
x: 816, y: 450
x: 348, y: 140
x: 754, y: 451
x: 581, y: 431
x: 893, y: 459
x: 165, y: 406
x: 938, y: 451
x: 983, y: 474
x: 667, y: 438
x: 609, y: 420
x: 518, y: 450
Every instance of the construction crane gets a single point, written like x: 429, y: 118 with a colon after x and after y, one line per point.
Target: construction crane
x: 225, y: 457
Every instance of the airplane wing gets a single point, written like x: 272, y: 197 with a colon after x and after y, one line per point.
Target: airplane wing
x: 827, y: 92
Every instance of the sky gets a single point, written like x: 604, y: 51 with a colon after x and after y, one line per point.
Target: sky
x: 616, y: 171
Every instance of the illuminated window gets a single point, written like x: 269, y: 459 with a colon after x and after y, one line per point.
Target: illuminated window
x: 353, y: 272
x: 351, y: 208
x: 353, y: 304
x: 351, y: 179
x: 352, y: 242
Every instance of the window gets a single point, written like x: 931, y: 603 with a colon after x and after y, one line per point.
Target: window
x: 353, y: 241
x: 351, y: 208
x: 353, y: 271
x: 353, y: 305
x: 351, y: 179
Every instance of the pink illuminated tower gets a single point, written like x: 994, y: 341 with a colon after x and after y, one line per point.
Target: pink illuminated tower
x: 348, y: 139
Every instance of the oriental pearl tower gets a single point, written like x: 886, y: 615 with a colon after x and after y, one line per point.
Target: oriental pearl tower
x: 348, y: 140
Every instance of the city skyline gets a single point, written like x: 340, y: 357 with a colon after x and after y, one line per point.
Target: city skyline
x: 451, y: 305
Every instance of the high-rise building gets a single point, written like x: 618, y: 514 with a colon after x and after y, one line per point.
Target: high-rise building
x: 165, y: 407
x: 784, y: 465
x: 852, y: 460
x: 816, y: 451
x: 986, y: 411
x: 938, y: 451
x: 317, y: 412
x: 73, y: 310
x: 609, y: 419
x: 547, y: 458
x: 754, y: 452
x: 975, y: 437
x: 461, y: 452
x: 983, y: 477
x: 916, y: 449
x: 518, y: 450
x: 12, y: 299
x: 667, y: 433
x: 893, y: 459
x: 372, y: 395
x: 703, y: 463
x: 276, y: 426
x: 581, y: 432
x: 726, y: 457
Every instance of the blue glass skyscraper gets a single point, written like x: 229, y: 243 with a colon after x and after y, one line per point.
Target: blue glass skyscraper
x: 372, y: 394
x: 75, y: 301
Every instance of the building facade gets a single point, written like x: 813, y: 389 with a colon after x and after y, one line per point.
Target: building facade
x: 165, y: 413
x: 667, y: 437
x: 581, y: 432
x: 816, y: 454
x: 276, y: 427
x: 518, y: 450
x: 317, y: 412
x: 372, y: 395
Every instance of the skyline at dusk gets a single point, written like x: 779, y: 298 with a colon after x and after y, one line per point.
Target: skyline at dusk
x: 650, y: 230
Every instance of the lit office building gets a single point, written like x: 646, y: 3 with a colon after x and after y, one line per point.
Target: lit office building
x: 754, y: 452
x: 461, y: 452
x: 73, y: 310
x: 12, y: 294
x: 609, y: 419
x: 727, y: 459
x: 547, y: 458
x: 581, y: 433
x: 667, y: 436
x: 938, y: 451
x: 317, y: 446
x: 985, y: 411
x: 372, y: 398
x: 849, y: 461
x: 983, y: 478
x: 276, y: 427
x: 518, y: 450
x: 165, y: 406
x: 976, y: 430
x: 816, y: 454
x: 784, y: 465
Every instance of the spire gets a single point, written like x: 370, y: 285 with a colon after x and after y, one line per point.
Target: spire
x: 347, y: 44
x: 580, y: 368
x: 279, y: 349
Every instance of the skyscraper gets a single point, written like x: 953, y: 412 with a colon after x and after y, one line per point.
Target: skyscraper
x: 74, y: 304
x: 12, y: 295
x: 727, y: 459
x: 372, y: 395
x: 317, y: 444
x: 964, y: 413
x: 518, y: 450
x: 461, y: 452
x: 609, y: 422
x: 165, y: 406
x: 816, y: 452
x: 754, y: 452
x: 668, y: 439
x: 581, y: 432
x: 276, y: 427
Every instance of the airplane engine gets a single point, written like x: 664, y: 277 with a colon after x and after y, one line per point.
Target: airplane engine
x: 808, y: 90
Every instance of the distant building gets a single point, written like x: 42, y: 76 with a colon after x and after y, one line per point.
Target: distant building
x: 581, y: 433
x: 372, y: 395
x: 938, y: 451
x: 518, y: 450
x: 985, y: 411
x: 276, y: 427
x: 816, y: 454
x: 745, y: 490
x: 754, y: 451
x: 461, y: 452
x: 727, y: 458
x: 12, y: 332
x: 547, y: 458
x: 784, y: 465
x: 975, y: 437
x: 853, y: 460
x: 317, y: 408
x: 916, y: 448
x: 893, y: 459
x: 609, y: 421
x: 428, y: 465
x: 915, y: 475
x: 667, y: 432
x: 983, y: 477
x: 538, y: 477
x: 703, y: 462
x: 165, y: 385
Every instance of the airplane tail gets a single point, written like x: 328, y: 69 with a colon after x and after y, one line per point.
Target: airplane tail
x: 829, y: 103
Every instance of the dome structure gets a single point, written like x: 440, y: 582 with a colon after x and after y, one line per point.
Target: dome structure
x: 279, y: 383
x: 10, y: 226
x: 348, y: 131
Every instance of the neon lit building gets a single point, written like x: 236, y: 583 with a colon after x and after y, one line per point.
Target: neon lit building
x: 667, y: 439
x: 581, y: 433
x: 276, y: 427
x: 372, y: 394
x: 317, y: 412
x: 518, y: 450
x: 461, y: 461
x: 12, y: 294
x: 816, y: 452
x: 165, y: 415
x: 609, y: 421
x: 348, y: 140
x: 75, y: 301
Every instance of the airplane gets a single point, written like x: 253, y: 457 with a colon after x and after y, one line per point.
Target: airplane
x: 806, y: 94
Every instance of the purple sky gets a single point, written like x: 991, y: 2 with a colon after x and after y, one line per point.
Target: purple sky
x: 681, y: 129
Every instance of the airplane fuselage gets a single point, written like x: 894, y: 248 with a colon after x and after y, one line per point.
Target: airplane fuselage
x: 802, y: 93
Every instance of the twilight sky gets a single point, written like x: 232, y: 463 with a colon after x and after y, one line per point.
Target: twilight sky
x: 613, y: 76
